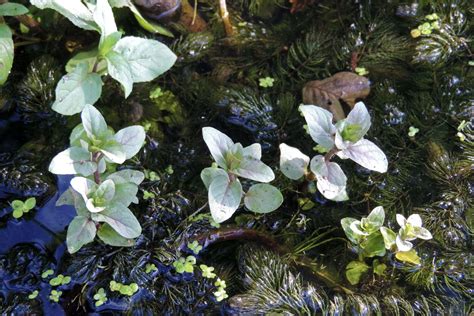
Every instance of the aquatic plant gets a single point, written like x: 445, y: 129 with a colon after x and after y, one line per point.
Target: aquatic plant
x: 128, y: 60
x: 20, y: 207
x: 372, y: 239
x: 344, y: 139
x: 233, y: 161
x: 100, y: 197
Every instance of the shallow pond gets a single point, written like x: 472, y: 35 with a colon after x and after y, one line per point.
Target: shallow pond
x: 410, y: 63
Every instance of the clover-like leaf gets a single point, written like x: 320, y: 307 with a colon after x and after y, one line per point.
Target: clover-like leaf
x: 74, y: 160
x: 81, y: 231
x: 293, y: 163
x: 209, y: 174
x: 224, y: 197
x: 263, y: 198
x: 219, y: 145
x: 76, y: 89
x: 366, y: 154
x: 132, y: 139
x: 320, y: 126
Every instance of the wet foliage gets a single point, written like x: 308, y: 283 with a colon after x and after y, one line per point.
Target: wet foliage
x: 287, y: 262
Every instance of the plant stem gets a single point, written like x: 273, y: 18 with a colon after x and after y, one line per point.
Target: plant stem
x: 96, y: 158
x: 330, y: 154
x: 229, y: 29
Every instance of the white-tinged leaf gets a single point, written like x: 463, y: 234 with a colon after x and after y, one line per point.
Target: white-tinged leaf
x: 414, y: 220
x: 403, y: 245
x: 74, y: 10
x: 368, y: 155
x: 263, y: 198
x: 6, y: 52
x: 12, y: 9
x: 104, y: 17
x: 91, y: 207
x: 346, y: 226
x: 66, y: 198
x: 76, y: 89
x: 377, y: 216
x: 331, y: 180
x: 401, y: 220
x: 147, y: 58
x: 320, y: 126
x: 209, y: 174
x: 93, y: 122
x: 254, y: 169
x: 127, y: 175
x: 218, y: 143
x: 74, y: 160
x: 293, y: 163
x: 224, y: 197
x: 423, y: 233
x: 126, y: 193
x: 113, y: 151
x: 121, y: 219
x: 119, y: 69
x: 389, y: 237
x: 81, y: 231
x: 83, y: 186
x: 359, y: 118
x: 78, y: 133
x: 254, y: 151
x: 109, y: 236
x: 132, y: 139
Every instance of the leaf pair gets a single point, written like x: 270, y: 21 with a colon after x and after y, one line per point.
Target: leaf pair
x: 92, y: 139
x: 128, y: 60
x: 20, y: 207
x: 331, y: 180
x: 225, y: 190
x: 346, y: 136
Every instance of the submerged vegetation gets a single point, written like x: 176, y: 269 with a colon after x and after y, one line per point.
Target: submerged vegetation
x: 231, y: 85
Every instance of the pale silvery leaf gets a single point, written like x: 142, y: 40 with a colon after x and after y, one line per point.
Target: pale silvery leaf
x: 113, y: 151
x: 78, y: 133
x: 127, y: 175
x: 293, y: 163
x: 125, y: 193
x: 83, y: 186
x: 81, y: 231
x: 234, y: 156
x: 121, y: 219
x: 119, y: 69
x: 76, y: 89
x: 218, y: 143
x: 331, y: 180
x: 254, y: 169
x: 109, y: 236
x: 389, y: 237
x: 263, y: 198
x: 74, y: 160
x: 209, y: 174
x: 132, y: 139
x: 74, y: 10
x: 66, y: 198
x: 414, y: 220
x: 91, y: 207
x: 106, y: 190
x: 224, y: 197
x: 254, y: 151
x: 366, y: 154
x: 357, y: 229
x: 104, y: 17
x: 147, y: 58
x: 6, y: 52
x: 105, y: 46
x: 89, y: 57
x: 346, y: 226
x: 321, y: 128
x: 401, y: 220
x: 377, y: 216
x: 423, y: 233
x: 403, y: 245
x: 93, y: 123
x: 357, y: 122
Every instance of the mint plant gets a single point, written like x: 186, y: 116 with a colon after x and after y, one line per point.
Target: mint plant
x: 128, y: 60
x: 344, y: 139
x: 224, y: 189
x: 370, y: 239
x: 100, y: 197
x: 6, y: 38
